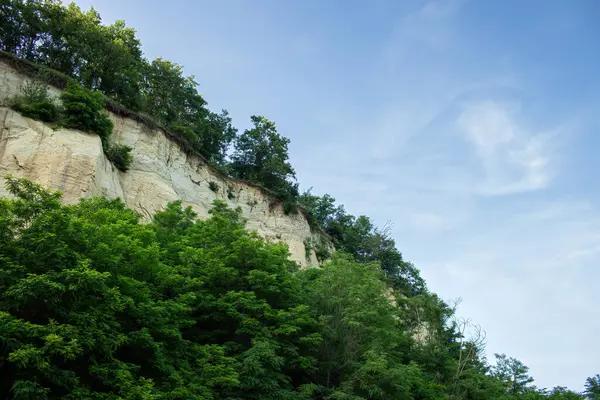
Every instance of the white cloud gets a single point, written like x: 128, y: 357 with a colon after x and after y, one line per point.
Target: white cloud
x: 514, y: 159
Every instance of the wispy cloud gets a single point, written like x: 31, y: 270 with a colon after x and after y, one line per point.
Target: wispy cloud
x: 514, y: 158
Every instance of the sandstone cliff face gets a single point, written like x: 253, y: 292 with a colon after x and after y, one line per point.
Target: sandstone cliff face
x: 73, y: 162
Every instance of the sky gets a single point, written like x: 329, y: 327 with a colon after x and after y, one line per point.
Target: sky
x: 471, y: 126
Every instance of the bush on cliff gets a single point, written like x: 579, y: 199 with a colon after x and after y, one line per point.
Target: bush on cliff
x: 79, y: 108
x: 36, y: 103
x: 119, y: 155
x: 83, y: 109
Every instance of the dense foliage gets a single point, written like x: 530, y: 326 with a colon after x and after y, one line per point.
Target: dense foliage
x: 592, y: 387
x: 106, y: 307
x: 84, y: 109
x: 95, y: 304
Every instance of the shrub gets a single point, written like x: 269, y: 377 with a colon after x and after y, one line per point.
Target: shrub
x: 308, y: 247
x: 322, y: 251
x: 320, y: 248
x: 230, y: 193
x: 290, y: 206
x: 213, y: 186
x: 187, y: 134
x: 35, y: 91
x: 46, y: 111
x: 36, y: 103
x: 84, y: 109
x: 119, y: 155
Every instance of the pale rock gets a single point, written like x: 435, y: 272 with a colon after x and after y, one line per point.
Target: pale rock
x: 73, y: 161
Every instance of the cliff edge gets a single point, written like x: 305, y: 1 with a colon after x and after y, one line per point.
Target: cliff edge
x: 73, y: 161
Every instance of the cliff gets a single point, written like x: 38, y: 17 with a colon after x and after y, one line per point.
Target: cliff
x: 73, y: 161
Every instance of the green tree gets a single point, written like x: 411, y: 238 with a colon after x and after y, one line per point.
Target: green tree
x: 90, y: 313
x: 364, y: 352
x: 170, y: 97
x: 215, y: 134
x: 249, y: 301
x: 592, y: 387
x: 174, y: 101
x: 370, y: 244
x: 513, y: 373
x: 22, y: 24
x: 322, y: 210
x: 119, y: 73
x: 562, y: 393
x: 367, y: 243
x: 261, y: 156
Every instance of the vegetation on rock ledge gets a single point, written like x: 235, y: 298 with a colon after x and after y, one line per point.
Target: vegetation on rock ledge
x: 108, y: 59
x: 77, y: 108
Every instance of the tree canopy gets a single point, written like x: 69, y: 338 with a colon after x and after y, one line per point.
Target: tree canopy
x: 96, y: 304
x: 261, y: 155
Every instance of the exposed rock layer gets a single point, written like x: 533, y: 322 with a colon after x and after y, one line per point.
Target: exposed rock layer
x: 73, y: 161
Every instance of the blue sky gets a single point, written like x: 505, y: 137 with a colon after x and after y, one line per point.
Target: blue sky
x: 471, y: 125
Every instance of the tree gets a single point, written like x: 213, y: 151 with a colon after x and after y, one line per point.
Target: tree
x: 371, y: 244
x: 121, y: 70
x: 170, y: 97
x: 513, y: 373
x: 261, y: 156
x: 367, y: 243
x: 215, y: 134
x: 562, y: 393
x: 89, y: 313
x: 592, y: 387
x: 247, y: 300
x: 23, y: 22
x: 322, y: 210
x: 364, y: 352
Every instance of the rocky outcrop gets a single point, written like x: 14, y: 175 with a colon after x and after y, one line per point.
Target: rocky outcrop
x: 73, y: 161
